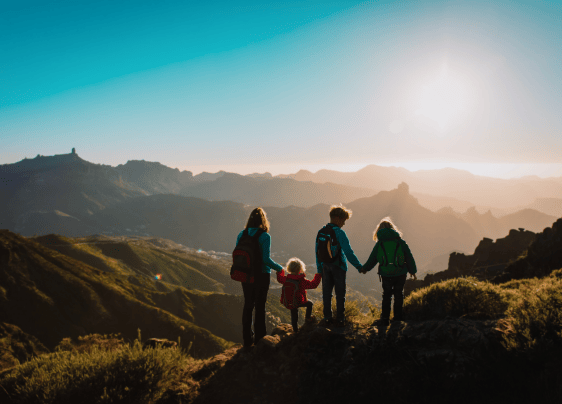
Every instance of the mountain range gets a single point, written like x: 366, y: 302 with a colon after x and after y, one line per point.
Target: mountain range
x: 447, y: 182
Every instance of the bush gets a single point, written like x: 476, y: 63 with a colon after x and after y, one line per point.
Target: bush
x: 86, y: 343
x: 534, y: 319
x: 98, y: 375
x: 457, y: 297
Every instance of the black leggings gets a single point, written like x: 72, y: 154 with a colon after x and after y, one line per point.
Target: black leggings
x: 255, y: 296
x: 295, y: 314
x: 393, y: 286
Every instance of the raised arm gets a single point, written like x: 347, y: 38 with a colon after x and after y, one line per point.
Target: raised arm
x: 313, y: 284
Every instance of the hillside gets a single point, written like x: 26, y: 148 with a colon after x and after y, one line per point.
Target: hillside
x: 51, y: 296
x: 145, y: 256
x: 464, y: 341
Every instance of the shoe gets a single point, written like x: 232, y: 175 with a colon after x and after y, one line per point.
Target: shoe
x: 383, y: 322
x: 326, y: 322
x: 310, y: 319
x: 397, y: 319
x: 339, y: 323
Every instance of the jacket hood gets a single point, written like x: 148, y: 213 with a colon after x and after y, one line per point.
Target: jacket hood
x: 387, y: 234
x: 297, y: 276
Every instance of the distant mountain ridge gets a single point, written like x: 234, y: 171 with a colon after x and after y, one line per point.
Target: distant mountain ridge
x: 446, y: 182
x: 487, y: 225
x: 267, y: 191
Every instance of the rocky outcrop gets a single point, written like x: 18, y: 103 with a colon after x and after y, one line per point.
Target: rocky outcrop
x: 354, y: 364
x: 489, y: 260
x: 542, y: 257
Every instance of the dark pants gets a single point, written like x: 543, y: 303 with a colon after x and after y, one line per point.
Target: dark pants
x: 255, y: 296
x: 333, y: 277
x: 295, y: 314
x: 393, y: 286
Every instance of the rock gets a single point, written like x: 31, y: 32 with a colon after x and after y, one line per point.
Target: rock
x: 266, y: 345
x: 282, y: 330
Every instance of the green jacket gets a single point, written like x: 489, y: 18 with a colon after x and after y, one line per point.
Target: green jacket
x: 384, y: 235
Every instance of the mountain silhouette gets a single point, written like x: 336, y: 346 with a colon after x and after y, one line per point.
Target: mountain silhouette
x: 487, y: 225
x: 266, y: 191
x: 446, y: 182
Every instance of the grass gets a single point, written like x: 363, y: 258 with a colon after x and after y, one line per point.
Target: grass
x: 360, y: 312
x: 103, y: 369
x: 534, y: 319
x: 460, y: 297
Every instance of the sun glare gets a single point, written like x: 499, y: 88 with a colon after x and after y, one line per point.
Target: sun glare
x: 442, y: 99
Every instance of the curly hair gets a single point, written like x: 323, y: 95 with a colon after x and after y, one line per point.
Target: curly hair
x: 386, y: 223
x: 295, y: 266
x: 258, y: 219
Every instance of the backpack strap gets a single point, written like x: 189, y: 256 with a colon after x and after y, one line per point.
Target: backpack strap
x: 385, y: 256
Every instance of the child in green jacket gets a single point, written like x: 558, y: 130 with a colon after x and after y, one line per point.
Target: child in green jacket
x: 395, y: 261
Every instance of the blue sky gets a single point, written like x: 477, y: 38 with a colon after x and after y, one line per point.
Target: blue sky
x: 277, y: 86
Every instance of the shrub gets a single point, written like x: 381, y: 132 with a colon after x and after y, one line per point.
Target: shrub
x: 457, y: 297
x: 534, y: 319
x: 85, y: 343
x: 97, y: 375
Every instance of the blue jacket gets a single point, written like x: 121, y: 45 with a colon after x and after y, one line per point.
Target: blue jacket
x: 265, y: 244
x: 346, y: 252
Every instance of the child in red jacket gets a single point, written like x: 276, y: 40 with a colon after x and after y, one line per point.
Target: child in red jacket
x: 293, y: 294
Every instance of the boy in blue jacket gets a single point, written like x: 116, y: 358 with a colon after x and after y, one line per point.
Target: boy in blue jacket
x: 332, y: 253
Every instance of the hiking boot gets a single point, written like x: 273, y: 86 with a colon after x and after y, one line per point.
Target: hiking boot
x: 310, y: 319
x: 339, y: 323
x: 326, y: 322
x: 384, y: 322
x: 397, y: 319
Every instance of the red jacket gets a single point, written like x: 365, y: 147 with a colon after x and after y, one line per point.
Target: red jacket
x: 303, y: 284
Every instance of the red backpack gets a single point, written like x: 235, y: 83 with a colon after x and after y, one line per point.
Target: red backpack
x: 247, y: 258
x: 289, y: 292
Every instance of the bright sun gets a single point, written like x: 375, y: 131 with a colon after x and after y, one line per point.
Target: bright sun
x: 442, y: 99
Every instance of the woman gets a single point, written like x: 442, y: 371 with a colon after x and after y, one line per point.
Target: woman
x: 255, y: 294
x: 395, y: 260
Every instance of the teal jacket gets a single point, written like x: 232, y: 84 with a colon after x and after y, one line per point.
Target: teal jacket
x: 265, y: 244
x: 387, y: 235
x: 346, y: 252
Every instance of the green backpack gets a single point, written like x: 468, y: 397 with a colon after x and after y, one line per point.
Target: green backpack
x: 388, y: 249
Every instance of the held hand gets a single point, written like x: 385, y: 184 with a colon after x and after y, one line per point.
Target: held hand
x: 414, y: 277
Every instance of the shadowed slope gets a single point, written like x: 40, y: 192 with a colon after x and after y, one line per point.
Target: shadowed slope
x: 52, y: 296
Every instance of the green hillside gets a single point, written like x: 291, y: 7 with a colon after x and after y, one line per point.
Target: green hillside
x: 52, y: 296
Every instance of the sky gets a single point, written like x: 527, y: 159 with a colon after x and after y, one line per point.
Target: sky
x: 251, y: 86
